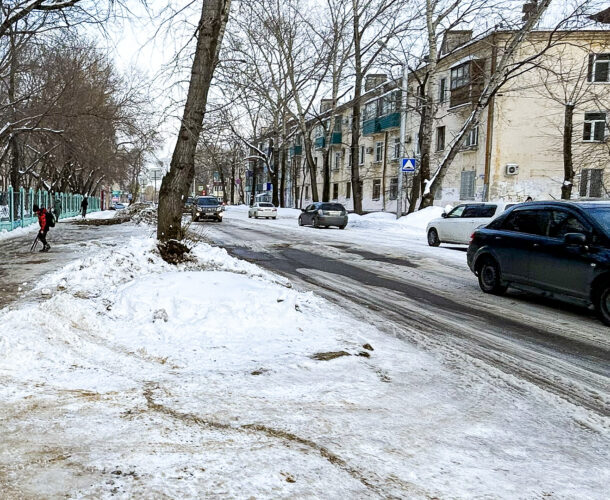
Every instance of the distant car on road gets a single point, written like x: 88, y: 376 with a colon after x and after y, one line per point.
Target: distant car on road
x: 458, y: 225
x: 118, y: 206
x: 206, y: 208
x: 322, y: 214
x: 262, y: 209
x: 559, y: 248
x: 188, y: 205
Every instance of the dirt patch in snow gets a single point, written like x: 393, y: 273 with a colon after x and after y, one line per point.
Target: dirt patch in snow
x: 327, y: 356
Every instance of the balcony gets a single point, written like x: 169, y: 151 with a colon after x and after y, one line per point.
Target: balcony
x: 381, y: 123
x: 295, y: 151
x: 319, y: 142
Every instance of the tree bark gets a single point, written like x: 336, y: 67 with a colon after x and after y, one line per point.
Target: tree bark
x: 568, y: 166
x: 356, y: 182
x: 326, y: 158
x: 175, y: 185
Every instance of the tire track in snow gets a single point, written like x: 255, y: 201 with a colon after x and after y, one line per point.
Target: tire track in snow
x: 368, y: 479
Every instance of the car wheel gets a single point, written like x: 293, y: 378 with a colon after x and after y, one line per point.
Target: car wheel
x: 342, y: 227
x: 249, y: 215
x: 433, y: 239
x: 300, y: 221
x: 490, y: 277
x: 602, y: 304
x: 274, y: 218
x: 316, y: 222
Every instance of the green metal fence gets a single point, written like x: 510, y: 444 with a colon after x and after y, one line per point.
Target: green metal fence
x: 16, y: 206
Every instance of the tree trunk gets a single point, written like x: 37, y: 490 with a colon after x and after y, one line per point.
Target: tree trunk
x: 233, y: 181
x: 283, y: 174
x: 326, y: 177
x: 568, y: 167
x: 275, y: 196
x: 313, y: 171
x: 175, y: 185
x: 384, y: 170
x: 356, y: 182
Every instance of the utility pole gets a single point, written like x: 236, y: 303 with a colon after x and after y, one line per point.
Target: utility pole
x: 403, y: 130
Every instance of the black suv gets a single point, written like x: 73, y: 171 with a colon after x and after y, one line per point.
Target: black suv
x: 561, y: 248
x: 206, y: 207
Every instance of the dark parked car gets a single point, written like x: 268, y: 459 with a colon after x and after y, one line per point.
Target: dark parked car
x: 206, y: 207
x: 322, y: 214
x: 559, y: 248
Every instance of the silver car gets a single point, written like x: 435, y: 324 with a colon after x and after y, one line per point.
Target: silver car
x: 322, y: 214
x: 262, y: 209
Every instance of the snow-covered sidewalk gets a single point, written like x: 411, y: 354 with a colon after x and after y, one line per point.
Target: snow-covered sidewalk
x: 135, y: 378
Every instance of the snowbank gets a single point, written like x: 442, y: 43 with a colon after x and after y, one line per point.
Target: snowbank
x: 129, y: 377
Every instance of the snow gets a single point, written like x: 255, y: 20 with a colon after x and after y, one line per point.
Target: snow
x: 105, y: 214
x: 141, y: 379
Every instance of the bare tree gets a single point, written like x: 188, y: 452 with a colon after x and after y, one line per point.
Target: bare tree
x: 210, y: 30
x: 566, y: 79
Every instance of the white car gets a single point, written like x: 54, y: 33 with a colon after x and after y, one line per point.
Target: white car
x: 262, y: 209
x: 458, y: 225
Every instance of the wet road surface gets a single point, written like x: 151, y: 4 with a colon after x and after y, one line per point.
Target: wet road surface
x: 436, y: 303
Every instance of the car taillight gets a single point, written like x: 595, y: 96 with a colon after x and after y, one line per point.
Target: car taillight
x: 472, y: 237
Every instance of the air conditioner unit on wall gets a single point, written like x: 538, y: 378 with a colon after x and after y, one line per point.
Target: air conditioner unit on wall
x: 512, y: 169
x: 369, y: 151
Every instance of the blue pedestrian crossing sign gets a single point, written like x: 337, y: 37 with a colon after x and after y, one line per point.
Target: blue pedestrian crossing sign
x: 408, y: 165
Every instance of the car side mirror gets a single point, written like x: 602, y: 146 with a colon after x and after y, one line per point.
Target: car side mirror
x: 444, y: 215
x: 577, y: 239
x: 302, y: 209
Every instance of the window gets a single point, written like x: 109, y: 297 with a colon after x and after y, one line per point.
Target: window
x: 379, y: 151
x: 595, y: 127
x: 306, y: 192
x: 393, y: 188
x: 456, y: 212
x: 599, y: 68
x: 337, y: 207
x: 376, y: 189
x: 315, y: 160
x: 442, y: 89
x: 480, y: 211
x: 591, y: 184
x: 361, y: 158
x: 337, y: 164
x: 337, y: 124
x: 348, y: 190
x: 335, y: 191
x: 563, y: 222
x: 460, y: 76
x: 440, y: 138
x: 396, y: 153
x: 467, y: 184
x: 472, y: 139
x: 528, y: 221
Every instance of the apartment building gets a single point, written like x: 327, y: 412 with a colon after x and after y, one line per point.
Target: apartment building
x: 517, y: 148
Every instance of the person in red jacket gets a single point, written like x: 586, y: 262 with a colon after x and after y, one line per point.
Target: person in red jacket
x: 44, y: 227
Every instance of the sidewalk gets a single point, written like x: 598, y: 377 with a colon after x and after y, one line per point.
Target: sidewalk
x: 21, y: 270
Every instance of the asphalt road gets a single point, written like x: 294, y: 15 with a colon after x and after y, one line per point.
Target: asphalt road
x: 430, y: 298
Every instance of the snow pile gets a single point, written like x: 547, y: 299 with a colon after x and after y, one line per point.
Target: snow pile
x: 216, y: 379
x: 413, y: 224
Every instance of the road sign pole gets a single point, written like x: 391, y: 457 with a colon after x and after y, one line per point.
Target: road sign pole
x: 403, y: 130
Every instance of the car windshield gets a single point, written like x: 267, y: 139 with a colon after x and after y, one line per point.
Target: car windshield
x: 332, y: 206
x: 602, y: 216
x: 207, y: 202
x: 266, y: 205
x: 189, y: 200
